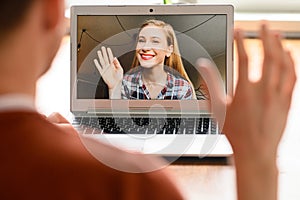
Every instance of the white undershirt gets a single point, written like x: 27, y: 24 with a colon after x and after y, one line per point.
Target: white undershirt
x: 11, y: 102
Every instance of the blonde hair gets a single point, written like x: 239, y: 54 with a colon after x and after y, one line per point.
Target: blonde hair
x: 174, y: 60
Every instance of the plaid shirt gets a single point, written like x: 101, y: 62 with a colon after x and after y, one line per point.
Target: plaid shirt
x: 175, y: 88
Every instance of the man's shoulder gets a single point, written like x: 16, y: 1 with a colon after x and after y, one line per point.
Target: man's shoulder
x: 78, y: 160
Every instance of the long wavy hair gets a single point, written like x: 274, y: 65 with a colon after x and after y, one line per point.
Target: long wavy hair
x: 174, y: 60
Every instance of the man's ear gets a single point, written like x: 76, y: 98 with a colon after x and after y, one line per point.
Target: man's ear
x: 53, y: 13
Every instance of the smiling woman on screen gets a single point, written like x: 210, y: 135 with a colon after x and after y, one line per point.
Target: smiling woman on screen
x: 157, y: 70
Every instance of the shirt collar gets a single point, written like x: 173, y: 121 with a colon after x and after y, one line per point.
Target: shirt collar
x: 169, y: 81
x: 10, y: 102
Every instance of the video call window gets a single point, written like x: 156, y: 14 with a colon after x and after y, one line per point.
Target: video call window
x: 155, y: 55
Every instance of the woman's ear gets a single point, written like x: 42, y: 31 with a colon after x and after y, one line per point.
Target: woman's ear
x: 170, y: 50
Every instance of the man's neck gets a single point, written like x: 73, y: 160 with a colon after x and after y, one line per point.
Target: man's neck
x: 17, y: 75
x: 28, y: 91
x: 14, y: 79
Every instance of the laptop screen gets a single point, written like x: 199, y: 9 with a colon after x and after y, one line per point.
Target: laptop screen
x: 148, y: 56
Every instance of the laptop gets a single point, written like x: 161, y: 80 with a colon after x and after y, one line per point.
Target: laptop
x: 177, y: 123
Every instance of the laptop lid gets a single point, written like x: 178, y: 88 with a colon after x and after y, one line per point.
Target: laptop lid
x: 200, y: 30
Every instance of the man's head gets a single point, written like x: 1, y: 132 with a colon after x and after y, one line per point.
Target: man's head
x: 31, y: 31
x: 12, y: 13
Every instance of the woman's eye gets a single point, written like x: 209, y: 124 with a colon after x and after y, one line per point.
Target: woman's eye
x: 141, y: 41
x: 155, y: 42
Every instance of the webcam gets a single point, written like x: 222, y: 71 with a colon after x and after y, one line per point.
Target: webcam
x: 150, y: 10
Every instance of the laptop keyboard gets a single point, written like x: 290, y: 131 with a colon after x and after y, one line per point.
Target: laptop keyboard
x: 140, y: 125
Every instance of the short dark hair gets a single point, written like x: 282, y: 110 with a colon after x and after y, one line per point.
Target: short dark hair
x: 12, y: 13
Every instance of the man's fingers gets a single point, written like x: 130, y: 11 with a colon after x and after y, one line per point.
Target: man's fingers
x: 61, y: 122
x: 268, y: 40
x: 278, y: 68
x: 264, y: 34
x: 212, y: 77
x: 242, y: 57
x: 288, y: 77
x: 68, y: 128
x: 57, y: 118
x: 216, y: 88
x: 278, y: 60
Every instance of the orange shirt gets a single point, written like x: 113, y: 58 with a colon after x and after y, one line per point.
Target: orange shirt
x: 38, y: 160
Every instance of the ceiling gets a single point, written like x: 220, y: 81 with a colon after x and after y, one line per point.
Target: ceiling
x: 198, y: 36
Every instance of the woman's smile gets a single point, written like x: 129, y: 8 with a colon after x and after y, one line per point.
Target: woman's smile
x: 147, y: 56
